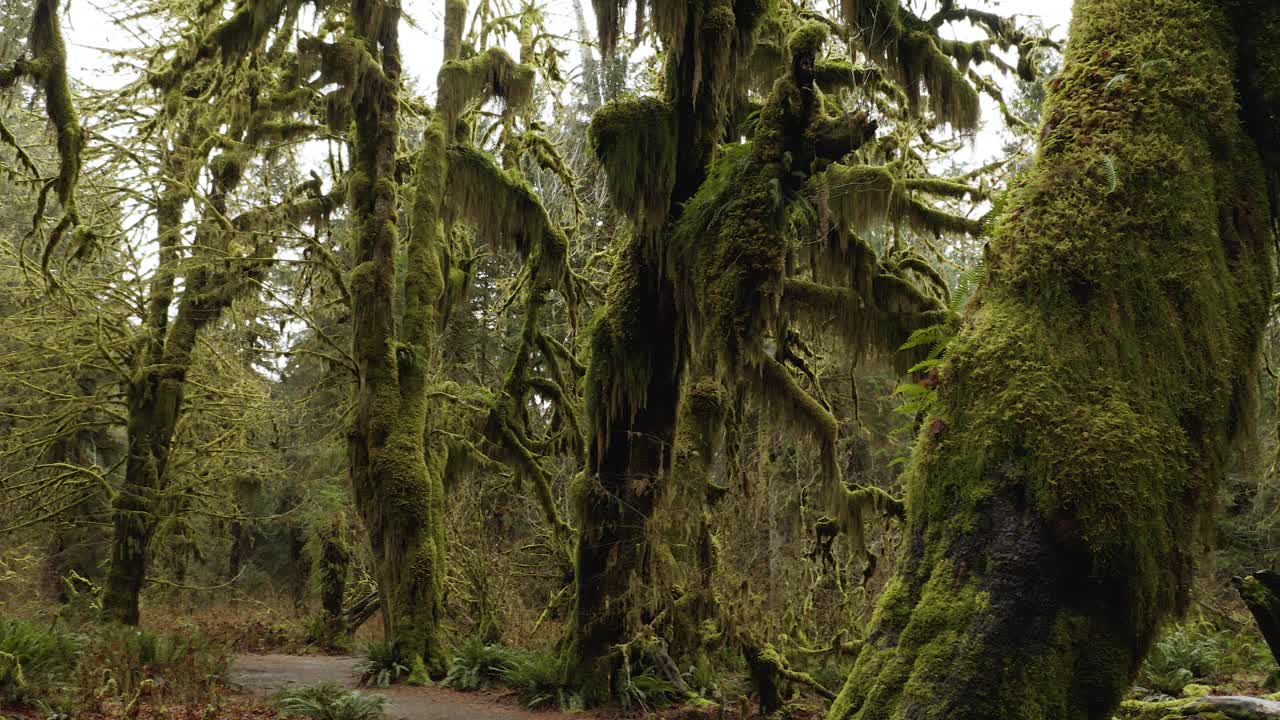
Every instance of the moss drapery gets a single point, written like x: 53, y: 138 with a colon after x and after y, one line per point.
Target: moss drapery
x: 47, y: 69
x: 1058, y: 497
x: 655, y: 153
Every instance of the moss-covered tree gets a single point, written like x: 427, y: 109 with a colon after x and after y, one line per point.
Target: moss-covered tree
x: 222, y: 260
x: 711, y: 269
x: 655, y: 151
x: 1062, y: 486
x: 399, y: 452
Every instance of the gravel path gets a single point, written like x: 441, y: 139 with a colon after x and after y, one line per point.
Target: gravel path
x: 266, y: 674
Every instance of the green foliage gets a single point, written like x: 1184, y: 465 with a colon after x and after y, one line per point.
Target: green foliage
x: 537, y: 677
x: 1197, y: 652
x: 477, y: 663
x: 330, y: 701
x: 120, y: 662
x: 645, y: 690
x: 33, y: 659
x: 383, y: 664
x: 920, y: 397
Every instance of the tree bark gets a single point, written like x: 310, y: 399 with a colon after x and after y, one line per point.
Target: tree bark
x: 627, y: 467
x: 397, y: 481
x: 1261, y: 594
x: 1060, y: 493
x: 154, y: 400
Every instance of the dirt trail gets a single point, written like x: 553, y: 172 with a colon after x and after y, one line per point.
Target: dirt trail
x: 265, y: 674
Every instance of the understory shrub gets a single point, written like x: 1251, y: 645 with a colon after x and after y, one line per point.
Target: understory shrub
x: 1198, y: 652
x: 477, y: 664
x: 537, y: 678
x: 123, y: 664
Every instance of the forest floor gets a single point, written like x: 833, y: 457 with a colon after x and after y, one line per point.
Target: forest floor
x: 264, y: 675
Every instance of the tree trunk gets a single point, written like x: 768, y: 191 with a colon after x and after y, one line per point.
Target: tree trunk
x: 628, y: 465
x: 153, y: 410
x: 633, y: 397
x: 153, y: 404
x: 1261, y: 594
x: 1059, y: 495
x: 397, y: 482
x: 334, y: 569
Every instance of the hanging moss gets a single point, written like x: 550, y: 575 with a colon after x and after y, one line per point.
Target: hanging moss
x: 233, y: 38
x: 47, y: 69
x: 655, y: 153
x: 504, y: 210
x: 859, y: 197
x: 492, y: 75
x: 908, y: 50
x: 833, y: 75
x: 635, y: 140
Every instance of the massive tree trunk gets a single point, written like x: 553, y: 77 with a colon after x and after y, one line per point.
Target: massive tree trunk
x: 1260, y: 592
x: 1060, y: 493
x: 628, y: 463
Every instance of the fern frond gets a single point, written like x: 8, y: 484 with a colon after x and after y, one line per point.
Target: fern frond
x: 1113, y: 173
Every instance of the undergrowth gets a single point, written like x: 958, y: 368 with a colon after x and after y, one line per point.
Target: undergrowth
x: 382, y: 665
x: 34, y: 660
x: 110, y: 668
x: 478, y: 664
x: 330, y: 701
x: 1198, y: 652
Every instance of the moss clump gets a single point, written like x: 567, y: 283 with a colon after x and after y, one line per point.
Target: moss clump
x: 859, y: 197
x: 47, y: 69
x: 491, y: 75
x: 635, y: 140
x: 505, y: 210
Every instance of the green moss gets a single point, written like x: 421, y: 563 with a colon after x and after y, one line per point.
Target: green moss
x: 860, y: 197
x: 47, y: 68
x: 333, y: 567
x: 807, y: 40
x: 492, y: 75
x: 503, y: 209
x: 908, y: 48
x: 635, y: 140
x: 1089, y: 403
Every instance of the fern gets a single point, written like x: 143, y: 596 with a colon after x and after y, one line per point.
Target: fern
x: 33, y: 658
x: 330, y: 701
x: 382, y: 665
x: 1114, y: 83
x: 644, y: 691
x: 918, y: 397
x: 537, y: 679
x: 1112, y: 170
x: 477, y: 663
